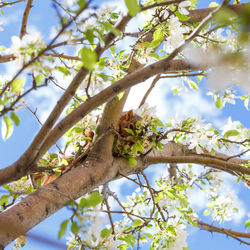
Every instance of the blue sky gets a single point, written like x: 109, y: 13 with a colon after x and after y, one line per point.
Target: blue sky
x: 41, y: 18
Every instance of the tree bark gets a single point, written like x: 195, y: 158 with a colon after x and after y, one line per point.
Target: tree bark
x: 95, y: 171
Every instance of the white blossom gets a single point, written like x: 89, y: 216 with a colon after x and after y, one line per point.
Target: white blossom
x: 69, y: 3
x: 146, y: 111
x: 181, y: 236
x: 183, y: 7
x: 20, y: 186
x: 225, y: 207
x: 19, y: 242
x: 26, y: 48
x: 176, y: 36
x: 180, y: 88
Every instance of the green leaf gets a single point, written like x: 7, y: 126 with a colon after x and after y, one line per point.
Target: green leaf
x: 211, y: 205
x: 17, y: 85
x: 206, y: 212
x: 129, y: 131
x: 180, y: 16
x: 82, y: 203
x: 133, y: 7
x: 39, y: 79
x: 15, y: 118
x: 247, y: 224
x: 94, y: 199
x: 123, y: 246
x: 7, y: 127
x: 109, y: 27
x: 159, y: 146
x: 132, y: 161
x: 81, y: 3
x: 170, y: 195
x: 120, y: 95
x: 106, y: 232
x: 137, y: 223
x: 219, y: 103
x: 157, y: 38
x: 246, y: 102
x: 63, y: 228
x: 63, y: 69
x: 199, y: 78
x: 158, y: 122
x: 158, y: 197
x: 232, y: 132
x: 75, y: 228
x: 192, y: 84
x: 4, y: 199
x: 138, y: 147
x: 88, y: 57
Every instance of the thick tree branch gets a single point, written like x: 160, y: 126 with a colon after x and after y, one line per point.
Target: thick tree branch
x: 96, y: 171
x: 183, y: 155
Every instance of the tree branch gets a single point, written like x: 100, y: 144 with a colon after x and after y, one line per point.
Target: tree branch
x: 25, y: 18
x: 96, y: 171
x: 234, y: 234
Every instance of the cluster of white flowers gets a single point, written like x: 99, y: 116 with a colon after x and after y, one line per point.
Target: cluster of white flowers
x: 224, y: 207
x: 176, y: 36
x: 228, y: 96
x: 180, y: 240
x: 4, y: 79
x: 26, y: 48
x: 93, y: 238
x: 146, y: 111
x: 145, y: 56
x: 20, y: 186
x: 202, y: 136
x: 240, y: 135
x: 183, y: 7
x: 20, y: 242
x: 176, y: 29
x: 236, y: 125
x: 228, y: 41
x: 179, y: 88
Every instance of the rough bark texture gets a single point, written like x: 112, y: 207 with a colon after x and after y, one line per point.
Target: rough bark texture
x: 96, y: 171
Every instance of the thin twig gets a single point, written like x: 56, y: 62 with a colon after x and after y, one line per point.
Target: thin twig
x: 183, y: 74
x: 234, y: 234
x: 109, y: 215
x: 10, y: 3
x: 238, y: 155
x: 37, y: 118
x: 63, y: 56
x: 156, y: 79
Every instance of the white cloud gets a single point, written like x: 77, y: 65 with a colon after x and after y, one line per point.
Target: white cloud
x: 14, y: 17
